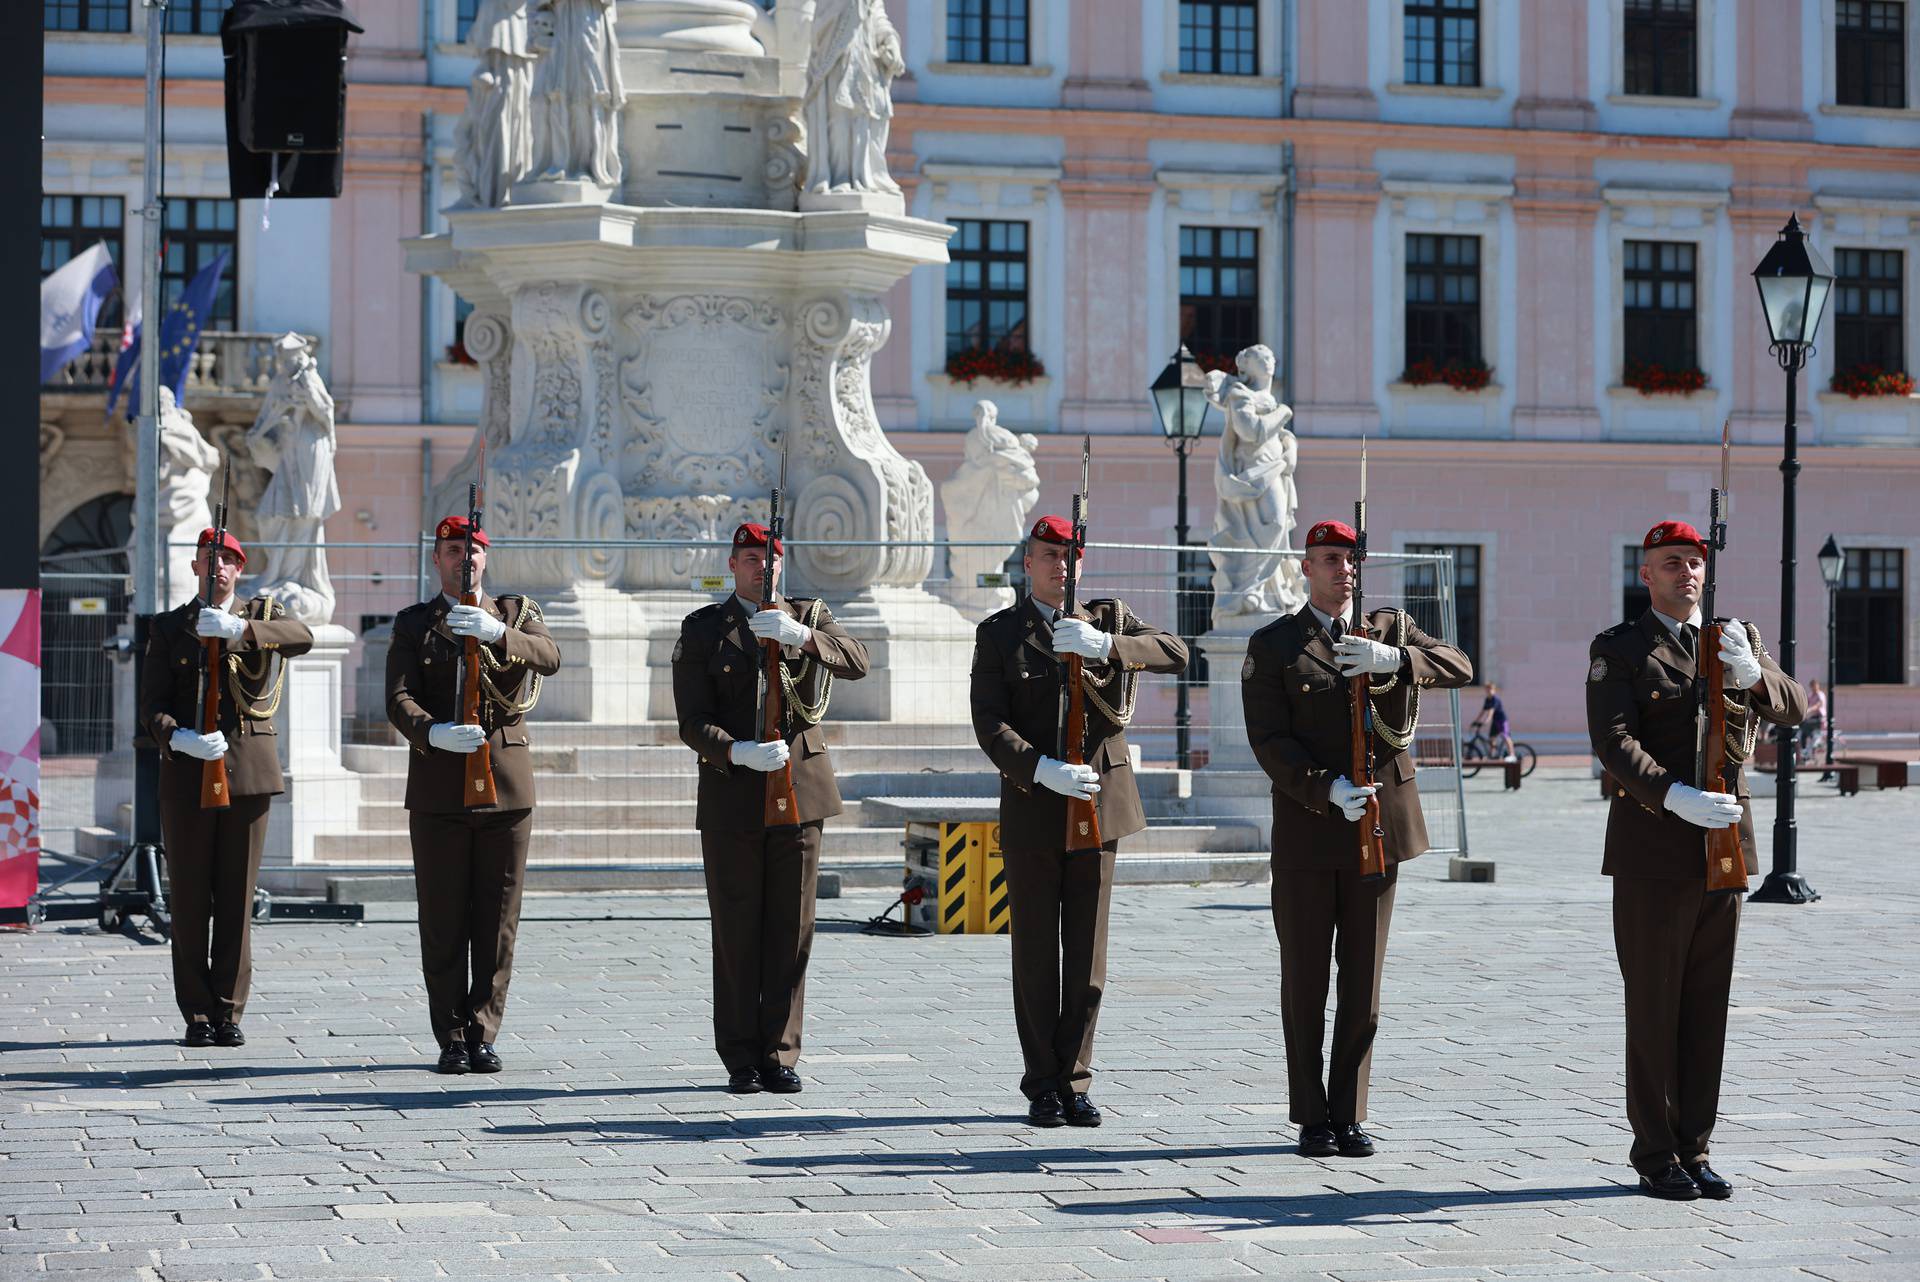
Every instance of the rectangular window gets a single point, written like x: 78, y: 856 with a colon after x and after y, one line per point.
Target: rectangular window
x: 1868, y: 309
x: 196, y: 17
x: 987, y: 31
x: 88, y: 15
x: 1221, y: 38
x: 1219, y: 292
x: 1869, y: 618
x: 71, y: 224
x: 1423, y: 594
x: 1442, y: 40
x: 196, y: 231
x: 1443, y: 299
x: 1870, y: 53
x: 1660, y: 38
x: 987, y: 286
x: 1661, y: 325
x: 1635, y: 600
x: 464, y: 12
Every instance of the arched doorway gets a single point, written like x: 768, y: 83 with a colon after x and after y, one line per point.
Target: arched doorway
x: 85, y: 598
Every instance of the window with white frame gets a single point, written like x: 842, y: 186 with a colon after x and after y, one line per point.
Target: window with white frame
x: 1441, y: 42
x: 1220, y: 38
x: 987, y: 286
x: 196, y: 17
x: 87, y: 15
x: 1423, y: 594
x: 1870, y: 53
x: 1442, y: 300
x: 464, y: 13
x: 1869, y: 318
x: 1661, y: 48
x: 72, y: 224
x: 991, y: 32
x: 1869, y: 612
x: 1219, y: 292
x: 1662, y: 326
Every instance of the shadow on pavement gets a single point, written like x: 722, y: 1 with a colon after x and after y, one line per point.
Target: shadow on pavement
x: 183, y: 1075
x: 754, y: 1124
x: 1341, y: 1208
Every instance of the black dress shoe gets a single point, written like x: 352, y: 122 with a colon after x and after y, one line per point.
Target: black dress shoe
x: 1046, y: 1110
x: 453, y: 1059
x: 1080, y: 1110
x: 227, y: 1033
x: 1318, y: 1141
x: 780, y: 1079
x: 1709, y: 1182
x: 743, y: 1081
x: 1673, y: 1184
x: 199, y: 1033
x: 1353, y: 1141
x: 482, y: 1058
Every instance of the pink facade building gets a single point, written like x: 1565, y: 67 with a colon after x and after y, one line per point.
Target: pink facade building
x: 1555, y: 204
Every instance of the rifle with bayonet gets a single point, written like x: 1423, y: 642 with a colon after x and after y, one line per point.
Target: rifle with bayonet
x: 1083, y: 819
x: 782, y: 805
x: 1726, y: 862
x: 213, y: 774
x: 478, y: 788
x: 1371, y: 835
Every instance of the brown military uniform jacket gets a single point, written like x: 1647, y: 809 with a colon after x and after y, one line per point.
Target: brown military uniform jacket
x: 1298, y: 722
x: 716, y: 698
x: 423, y: 672
x: 1016, y: 715
x: 1641, y: 718
x: 249, y: 680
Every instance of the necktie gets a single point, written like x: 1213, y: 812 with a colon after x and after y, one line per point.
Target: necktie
x: 1337, y: 629
x: 1688, y: 633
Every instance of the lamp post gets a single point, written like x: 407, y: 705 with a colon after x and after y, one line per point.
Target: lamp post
x: 1180, y: 399
x: 1794, y: 284
x: 1833, y: 568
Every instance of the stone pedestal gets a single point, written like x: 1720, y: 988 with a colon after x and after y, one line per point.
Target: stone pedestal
x: 1231, y: 784
x: 322, y: 795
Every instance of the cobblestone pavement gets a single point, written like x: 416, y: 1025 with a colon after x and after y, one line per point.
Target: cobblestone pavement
x: 325, y: 1149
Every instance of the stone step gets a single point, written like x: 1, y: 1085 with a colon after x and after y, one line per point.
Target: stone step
x: 653, y: 734
x: 681, y: 846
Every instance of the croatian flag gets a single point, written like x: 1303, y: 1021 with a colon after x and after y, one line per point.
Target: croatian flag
x: 180, y: 326
x: 69, y: 305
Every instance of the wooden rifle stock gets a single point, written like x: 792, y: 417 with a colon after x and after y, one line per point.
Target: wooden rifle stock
x: 782, y: 805
x: 1726, y: 861
x: 478, y: 789
x: 1369, y: 830
x: 1083, y: 818
x: 213, y: 774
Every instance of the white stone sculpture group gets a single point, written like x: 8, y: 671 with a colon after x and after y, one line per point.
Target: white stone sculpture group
x: 988, y: 501
x: 1253, y: 483
x: 293, y: 437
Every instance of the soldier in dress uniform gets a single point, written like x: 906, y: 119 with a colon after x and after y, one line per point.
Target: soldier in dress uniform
x: 760, y: 877
x: 213, y: 855
x: 1675, y: 941
x: 469, y: 863
x: 1294, y: 687
x: 1058, y: 901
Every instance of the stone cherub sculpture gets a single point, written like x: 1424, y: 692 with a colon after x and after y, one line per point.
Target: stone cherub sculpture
x: 848, y: 110
x: 988, y: 501
x: 1253, y: 482
x: 293, y: 438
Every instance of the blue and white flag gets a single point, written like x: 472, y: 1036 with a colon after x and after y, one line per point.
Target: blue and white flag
x: 69, y: 305
x: 180, y: 327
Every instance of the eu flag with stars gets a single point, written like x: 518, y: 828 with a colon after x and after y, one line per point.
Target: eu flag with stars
x: 180, y: 330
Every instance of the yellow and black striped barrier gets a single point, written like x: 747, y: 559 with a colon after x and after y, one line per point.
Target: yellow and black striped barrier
x: 968, y: 894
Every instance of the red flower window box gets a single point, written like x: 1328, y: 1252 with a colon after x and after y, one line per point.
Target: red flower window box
x: 1653, y: 379
x: 1871, y: 380
x: 1460, y: 375
x: 1014, y: 366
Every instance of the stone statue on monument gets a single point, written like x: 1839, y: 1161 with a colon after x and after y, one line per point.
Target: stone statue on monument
x: 988, y: 501
x: 494, y: 139
x: 187, y: 463
x: 577, y: 93
x: 848, y: 110
x: 1253, y: 482
x: 293, y: 438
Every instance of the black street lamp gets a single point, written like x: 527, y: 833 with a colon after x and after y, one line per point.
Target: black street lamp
x: 1833, y: 568
x: 1180, y: 399
x: 1794, y: 284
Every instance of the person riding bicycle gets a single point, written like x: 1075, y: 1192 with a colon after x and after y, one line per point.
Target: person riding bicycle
x: 1499, y: 735
x: 1816, y: 722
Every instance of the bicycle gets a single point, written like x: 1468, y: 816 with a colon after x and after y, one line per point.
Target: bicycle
x: 1477, y: 748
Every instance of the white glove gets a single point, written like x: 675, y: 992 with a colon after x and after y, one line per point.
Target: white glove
x: 218, y: 623
x: 1737, y: 659
x: 1352, y: 801
x: 207, y: 747
x: 1077, y: 636
x: 1703, y: 809
x: 1358, y: 654
x: 1069, y: 781
x: 764, y: 757
x: 778, y: 625
x: 449, y: 737
x: 472, y: 621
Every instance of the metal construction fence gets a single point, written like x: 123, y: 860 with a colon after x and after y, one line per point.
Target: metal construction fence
x: 616, y: 784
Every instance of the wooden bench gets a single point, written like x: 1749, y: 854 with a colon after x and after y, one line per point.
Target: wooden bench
x: 1486, y: 763
x: 1888, y: 772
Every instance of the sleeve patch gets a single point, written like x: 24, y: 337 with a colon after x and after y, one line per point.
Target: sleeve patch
x: 1598, y: 672
x: 1246, y: 668
x: 679, y: 648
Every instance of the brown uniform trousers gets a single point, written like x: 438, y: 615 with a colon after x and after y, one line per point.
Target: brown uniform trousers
x: 760, y: 879
x: 1058, y: 903
x: 469, y: 864
x: 1299, y: 724
x: 213, y: 856
x: 1675, y: 942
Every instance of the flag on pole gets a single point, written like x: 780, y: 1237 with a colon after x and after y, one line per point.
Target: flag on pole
x: 180, y: 327
x: 70, y: 304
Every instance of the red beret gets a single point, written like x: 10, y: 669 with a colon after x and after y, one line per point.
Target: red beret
x: 1053, y: 529
x: 1332, y: 534
x: 455, y: 527
x: 752, y: 534
x: 227, y: 541
x: 1672, y: 532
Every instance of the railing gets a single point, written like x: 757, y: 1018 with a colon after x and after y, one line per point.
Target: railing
x: 224, y: 363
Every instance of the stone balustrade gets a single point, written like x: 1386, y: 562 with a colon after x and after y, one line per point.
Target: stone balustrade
x: 224, y: 363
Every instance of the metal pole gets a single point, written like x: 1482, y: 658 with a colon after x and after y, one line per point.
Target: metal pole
x: 1785, y: 885
x: 1833, y: 671
x: 146, y: 522
x: 1182, y: 710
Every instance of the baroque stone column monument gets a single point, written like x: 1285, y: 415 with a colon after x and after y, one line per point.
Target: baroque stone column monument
x: 650, y: 349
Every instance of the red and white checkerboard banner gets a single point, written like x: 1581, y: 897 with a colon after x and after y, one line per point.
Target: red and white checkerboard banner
x: 19, y: 746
